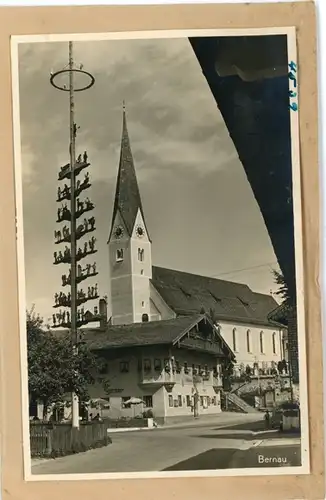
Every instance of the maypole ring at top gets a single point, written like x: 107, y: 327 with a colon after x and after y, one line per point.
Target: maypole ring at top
x: 75, y: 70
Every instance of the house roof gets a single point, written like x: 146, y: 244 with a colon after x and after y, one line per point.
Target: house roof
x: 127, y: 197
x: 166, y: 332
x: 187, y: 293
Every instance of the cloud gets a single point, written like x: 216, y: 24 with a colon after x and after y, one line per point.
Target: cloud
x: 198, y: 203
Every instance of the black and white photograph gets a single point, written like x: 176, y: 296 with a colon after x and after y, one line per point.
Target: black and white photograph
x: 158, y: 215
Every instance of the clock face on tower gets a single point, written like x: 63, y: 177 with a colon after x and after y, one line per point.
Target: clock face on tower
x: 139, y: 231
x: 118, y: 232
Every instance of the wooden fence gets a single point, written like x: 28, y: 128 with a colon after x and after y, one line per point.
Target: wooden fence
x: 53, y: 440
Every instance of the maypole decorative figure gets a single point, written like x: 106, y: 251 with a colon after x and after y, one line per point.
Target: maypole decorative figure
x: 73, y: 215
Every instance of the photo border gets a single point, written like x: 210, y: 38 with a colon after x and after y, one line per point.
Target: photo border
x: 290, y: 33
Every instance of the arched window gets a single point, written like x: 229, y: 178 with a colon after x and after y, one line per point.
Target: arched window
x: 248, y: 341
x: 144, y: 318
x: 274, y: 342
x: 234, y: 339
x: 140, y: 254
x: 261, y: 341
x: 119, y: 256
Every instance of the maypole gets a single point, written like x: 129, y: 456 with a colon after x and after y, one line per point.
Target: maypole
x: 72, y: 316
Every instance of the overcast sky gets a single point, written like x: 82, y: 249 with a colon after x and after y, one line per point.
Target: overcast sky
x: 198, y: 204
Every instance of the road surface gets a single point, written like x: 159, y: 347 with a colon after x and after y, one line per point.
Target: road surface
x: 200, y: 447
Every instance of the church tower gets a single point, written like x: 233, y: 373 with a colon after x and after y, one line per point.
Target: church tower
x: 129, y: 244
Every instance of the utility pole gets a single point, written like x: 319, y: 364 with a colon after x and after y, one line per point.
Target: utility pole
x: 75, y: 318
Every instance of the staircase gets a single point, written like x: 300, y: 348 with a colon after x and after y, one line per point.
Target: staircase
x: 232, y: 401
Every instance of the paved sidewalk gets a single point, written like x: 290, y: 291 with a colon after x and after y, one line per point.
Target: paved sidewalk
x: 224, y: 418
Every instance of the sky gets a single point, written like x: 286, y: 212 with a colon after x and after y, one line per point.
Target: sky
x: 198, y: 204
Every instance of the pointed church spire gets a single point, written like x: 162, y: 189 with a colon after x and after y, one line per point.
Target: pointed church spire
x: 127, y: 197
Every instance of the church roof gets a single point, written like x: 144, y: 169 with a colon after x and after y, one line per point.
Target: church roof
x: 164, y: 332
x: 187, y: 293
x: 127, y: 197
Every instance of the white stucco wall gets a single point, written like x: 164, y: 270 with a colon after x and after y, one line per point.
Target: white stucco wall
x: 254, y: 354
x: 141, y: 383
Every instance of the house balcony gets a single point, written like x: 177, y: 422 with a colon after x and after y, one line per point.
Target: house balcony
x: 158, y: 379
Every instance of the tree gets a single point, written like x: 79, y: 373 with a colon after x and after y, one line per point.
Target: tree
x: 54, y: 367
x: 283, y: 291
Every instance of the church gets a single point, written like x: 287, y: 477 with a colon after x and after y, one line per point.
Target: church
x: 170, y: 334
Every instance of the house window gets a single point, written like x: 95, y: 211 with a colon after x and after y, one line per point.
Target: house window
x: 140, y: 254
x: 194, y: 371
x: 104, y: 369
x: 274, y: 342
x: 171, y: 401
x: 124, y: 366
x: 123, y: 402
x: 185, y: 367
x: 157, y: 365
x: 143, y: 304
x: 234, y: 338
x: 144, y: 318
x: 167, y: 365
x: 214, y: 400
x: 188, y: 400
x: 179, y: 400
x: 148, y: 400
x: 261, y: 342
x: 248, y: 341
x: 201, y: 400
x: 147, y: 365
x: 142, y: 271
x: 119, y: 255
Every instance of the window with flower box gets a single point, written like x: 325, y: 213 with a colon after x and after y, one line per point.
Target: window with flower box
x: 167, y: 366
x: 157, y: 365
x: 147, y: 365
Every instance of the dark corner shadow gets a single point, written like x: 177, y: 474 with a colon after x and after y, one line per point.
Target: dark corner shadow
x: 231, y: 458
x: 249, y: 436
x: 209, y: 460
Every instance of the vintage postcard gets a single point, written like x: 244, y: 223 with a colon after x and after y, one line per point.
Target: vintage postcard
x: 160, y: 308
x: 160, y: 254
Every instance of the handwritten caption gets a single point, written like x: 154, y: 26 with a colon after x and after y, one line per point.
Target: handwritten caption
x: 293, y: 104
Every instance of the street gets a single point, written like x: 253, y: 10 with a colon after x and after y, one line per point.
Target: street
x: 197, y: 447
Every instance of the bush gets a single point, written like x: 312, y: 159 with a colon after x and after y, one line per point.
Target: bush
x: 148, y: 414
